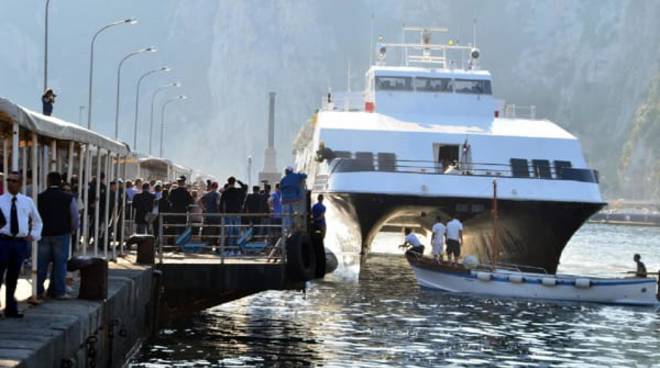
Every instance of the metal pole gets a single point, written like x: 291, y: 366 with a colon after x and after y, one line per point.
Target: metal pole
x: 69, y: 168
x: 97, y: 200
x: 46, y: 47
x: 15, y: 146
x: 35, y: 165
x: 162, y: 118
x: 115, y: 210
x: 81, y: 162
x: 24, y: 165
x: 85, y: 204
x: 123, y: 208
x: 53, y: 156
x: 5, y: 160
x: 148, y: 49
x: 110, y: 176
x: 137, y: 101
x: 91, y: 65
x: 153, y: 102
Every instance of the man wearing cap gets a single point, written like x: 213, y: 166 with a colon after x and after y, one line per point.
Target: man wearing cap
x: 292, y: 186
x: 180, y: 199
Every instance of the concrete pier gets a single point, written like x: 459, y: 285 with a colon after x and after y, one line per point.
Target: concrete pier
x: 81, y: 333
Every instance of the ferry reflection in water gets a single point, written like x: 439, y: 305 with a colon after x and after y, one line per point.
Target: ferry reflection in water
x: 385, y: 319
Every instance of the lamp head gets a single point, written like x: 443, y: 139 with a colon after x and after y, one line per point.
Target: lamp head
x: 165, y: 69
x: 130, y: 21
x: 182, y: 97
x: 151, y: 49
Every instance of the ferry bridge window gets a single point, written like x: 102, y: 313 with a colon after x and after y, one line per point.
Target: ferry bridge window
x: 542, y: 169
x: 394, y: 83
x: 560, y: 166
x: 433, y: 84
x: 477, y: 87
x: 519, y: 168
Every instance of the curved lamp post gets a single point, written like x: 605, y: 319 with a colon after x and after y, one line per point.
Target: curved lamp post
x: 137, y: 100
x: 91, y: 64
x: 136, y: 52
x: 153, y: 101
x: 162, y: 118
x: 46, y: 47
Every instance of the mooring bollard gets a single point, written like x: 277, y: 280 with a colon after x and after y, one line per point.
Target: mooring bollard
x: 146, y: 249
x: 93, y: 277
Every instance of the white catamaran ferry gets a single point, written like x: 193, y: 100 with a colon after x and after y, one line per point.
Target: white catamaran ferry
x: 428, y: 138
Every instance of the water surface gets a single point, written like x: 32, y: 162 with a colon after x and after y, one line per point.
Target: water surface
x: 385, y: 319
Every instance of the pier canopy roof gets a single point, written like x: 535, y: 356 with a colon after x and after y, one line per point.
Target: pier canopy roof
x: 55, y: 128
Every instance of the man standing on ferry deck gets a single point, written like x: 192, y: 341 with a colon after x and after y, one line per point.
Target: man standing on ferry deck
x: 20, y: 224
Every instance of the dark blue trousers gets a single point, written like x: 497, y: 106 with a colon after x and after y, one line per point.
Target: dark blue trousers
x: 12, y: 255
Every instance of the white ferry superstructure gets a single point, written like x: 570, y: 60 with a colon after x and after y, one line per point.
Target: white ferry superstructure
x: 428, y: 138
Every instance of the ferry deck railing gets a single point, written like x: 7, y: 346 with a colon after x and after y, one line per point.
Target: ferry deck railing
x: 513, y: 111
x: 545, y: 171
x: 224, y: 237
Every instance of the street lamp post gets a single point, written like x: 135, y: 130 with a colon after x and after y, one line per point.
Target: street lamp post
x: 46, y: 47
x: 137, y: 100
x: 91, y: 64
x: 162, y: 119
x: 153, y: 101
x: 136, y: 52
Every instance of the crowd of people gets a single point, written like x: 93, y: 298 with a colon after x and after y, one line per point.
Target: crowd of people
x: 58, y: 216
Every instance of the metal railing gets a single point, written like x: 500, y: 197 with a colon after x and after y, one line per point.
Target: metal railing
x: 221, y: 237
x: 545, y: 171
x: 516, y: 111
x: 343, y: 101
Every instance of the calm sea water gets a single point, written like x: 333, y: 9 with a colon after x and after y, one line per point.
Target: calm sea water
x: 385, y: 319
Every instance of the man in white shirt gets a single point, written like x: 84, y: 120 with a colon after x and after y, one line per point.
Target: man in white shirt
x: 20, y: 224
x: 438, y: 238
x: 454, y: 239
x: 413, y: 242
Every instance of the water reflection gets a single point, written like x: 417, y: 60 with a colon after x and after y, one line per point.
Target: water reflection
x: 385, y: 319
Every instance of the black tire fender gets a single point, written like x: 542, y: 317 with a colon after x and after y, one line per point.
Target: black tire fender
x: 300, y: 257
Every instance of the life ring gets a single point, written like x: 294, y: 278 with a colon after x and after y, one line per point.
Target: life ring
x: 319, y: 250
x: 300, y: 257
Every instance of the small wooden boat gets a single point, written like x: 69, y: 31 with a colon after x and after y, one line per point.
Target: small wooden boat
x: 525, y: 282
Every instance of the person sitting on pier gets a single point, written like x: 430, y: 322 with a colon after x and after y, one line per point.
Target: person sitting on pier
x: 438, y: 238
x: 413, y: 242
x: 20, y: 224
x: 454, y: 239
x: 641, y: 268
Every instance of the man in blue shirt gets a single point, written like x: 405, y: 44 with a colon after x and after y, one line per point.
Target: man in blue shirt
x: 318, y: 217
x: 292, y: 186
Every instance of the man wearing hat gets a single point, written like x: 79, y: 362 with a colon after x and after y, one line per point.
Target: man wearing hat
x: 292, y: 186
x: 180, y: 199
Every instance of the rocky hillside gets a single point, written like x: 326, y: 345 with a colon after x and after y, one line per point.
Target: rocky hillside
x: 592, y: 66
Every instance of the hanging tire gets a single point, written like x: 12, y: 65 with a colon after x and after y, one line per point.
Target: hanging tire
x: 319, y: 250
x: 300, y: 257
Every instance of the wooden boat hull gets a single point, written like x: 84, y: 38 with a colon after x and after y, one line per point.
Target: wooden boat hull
x: 507, y: 283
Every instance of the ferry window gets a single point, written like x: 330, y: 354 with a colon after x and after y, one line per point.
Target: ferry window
x: 433, y: 84
x: 541, y: 169
x: 364, y: 161
x: 560, y: 166
x: 477, y: 87
x: 519, y: 168
x: 386, y: 161
x: 394, y: 83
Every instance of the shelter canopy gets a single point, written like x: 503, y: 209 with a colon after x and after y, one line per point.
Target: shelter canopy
x: 55, y: 128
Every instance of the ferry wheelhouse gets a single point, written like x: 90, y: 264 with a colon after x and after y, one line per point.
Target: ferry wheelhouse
x: 428, y: 138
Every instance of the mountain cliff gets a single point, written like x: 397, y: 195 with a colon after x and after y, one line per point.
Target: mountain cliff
x: 591, y: 66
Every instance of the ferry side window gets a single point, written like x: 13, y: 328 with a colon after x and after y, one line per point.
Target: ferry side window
x: 469, y: 86
x: 393, y: 83
x: 432, y: 84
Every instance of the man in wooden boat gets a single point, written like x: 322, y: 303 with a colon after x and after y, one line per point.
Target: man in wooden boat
x: 641, y: 268
x: 411, y: 241
x: 454, y: 239
x: 438, y: 238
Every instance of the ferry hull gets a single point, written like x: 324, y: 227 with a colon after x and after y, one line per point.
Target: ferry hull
x: 529, y: 232
x: 640, y: 291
